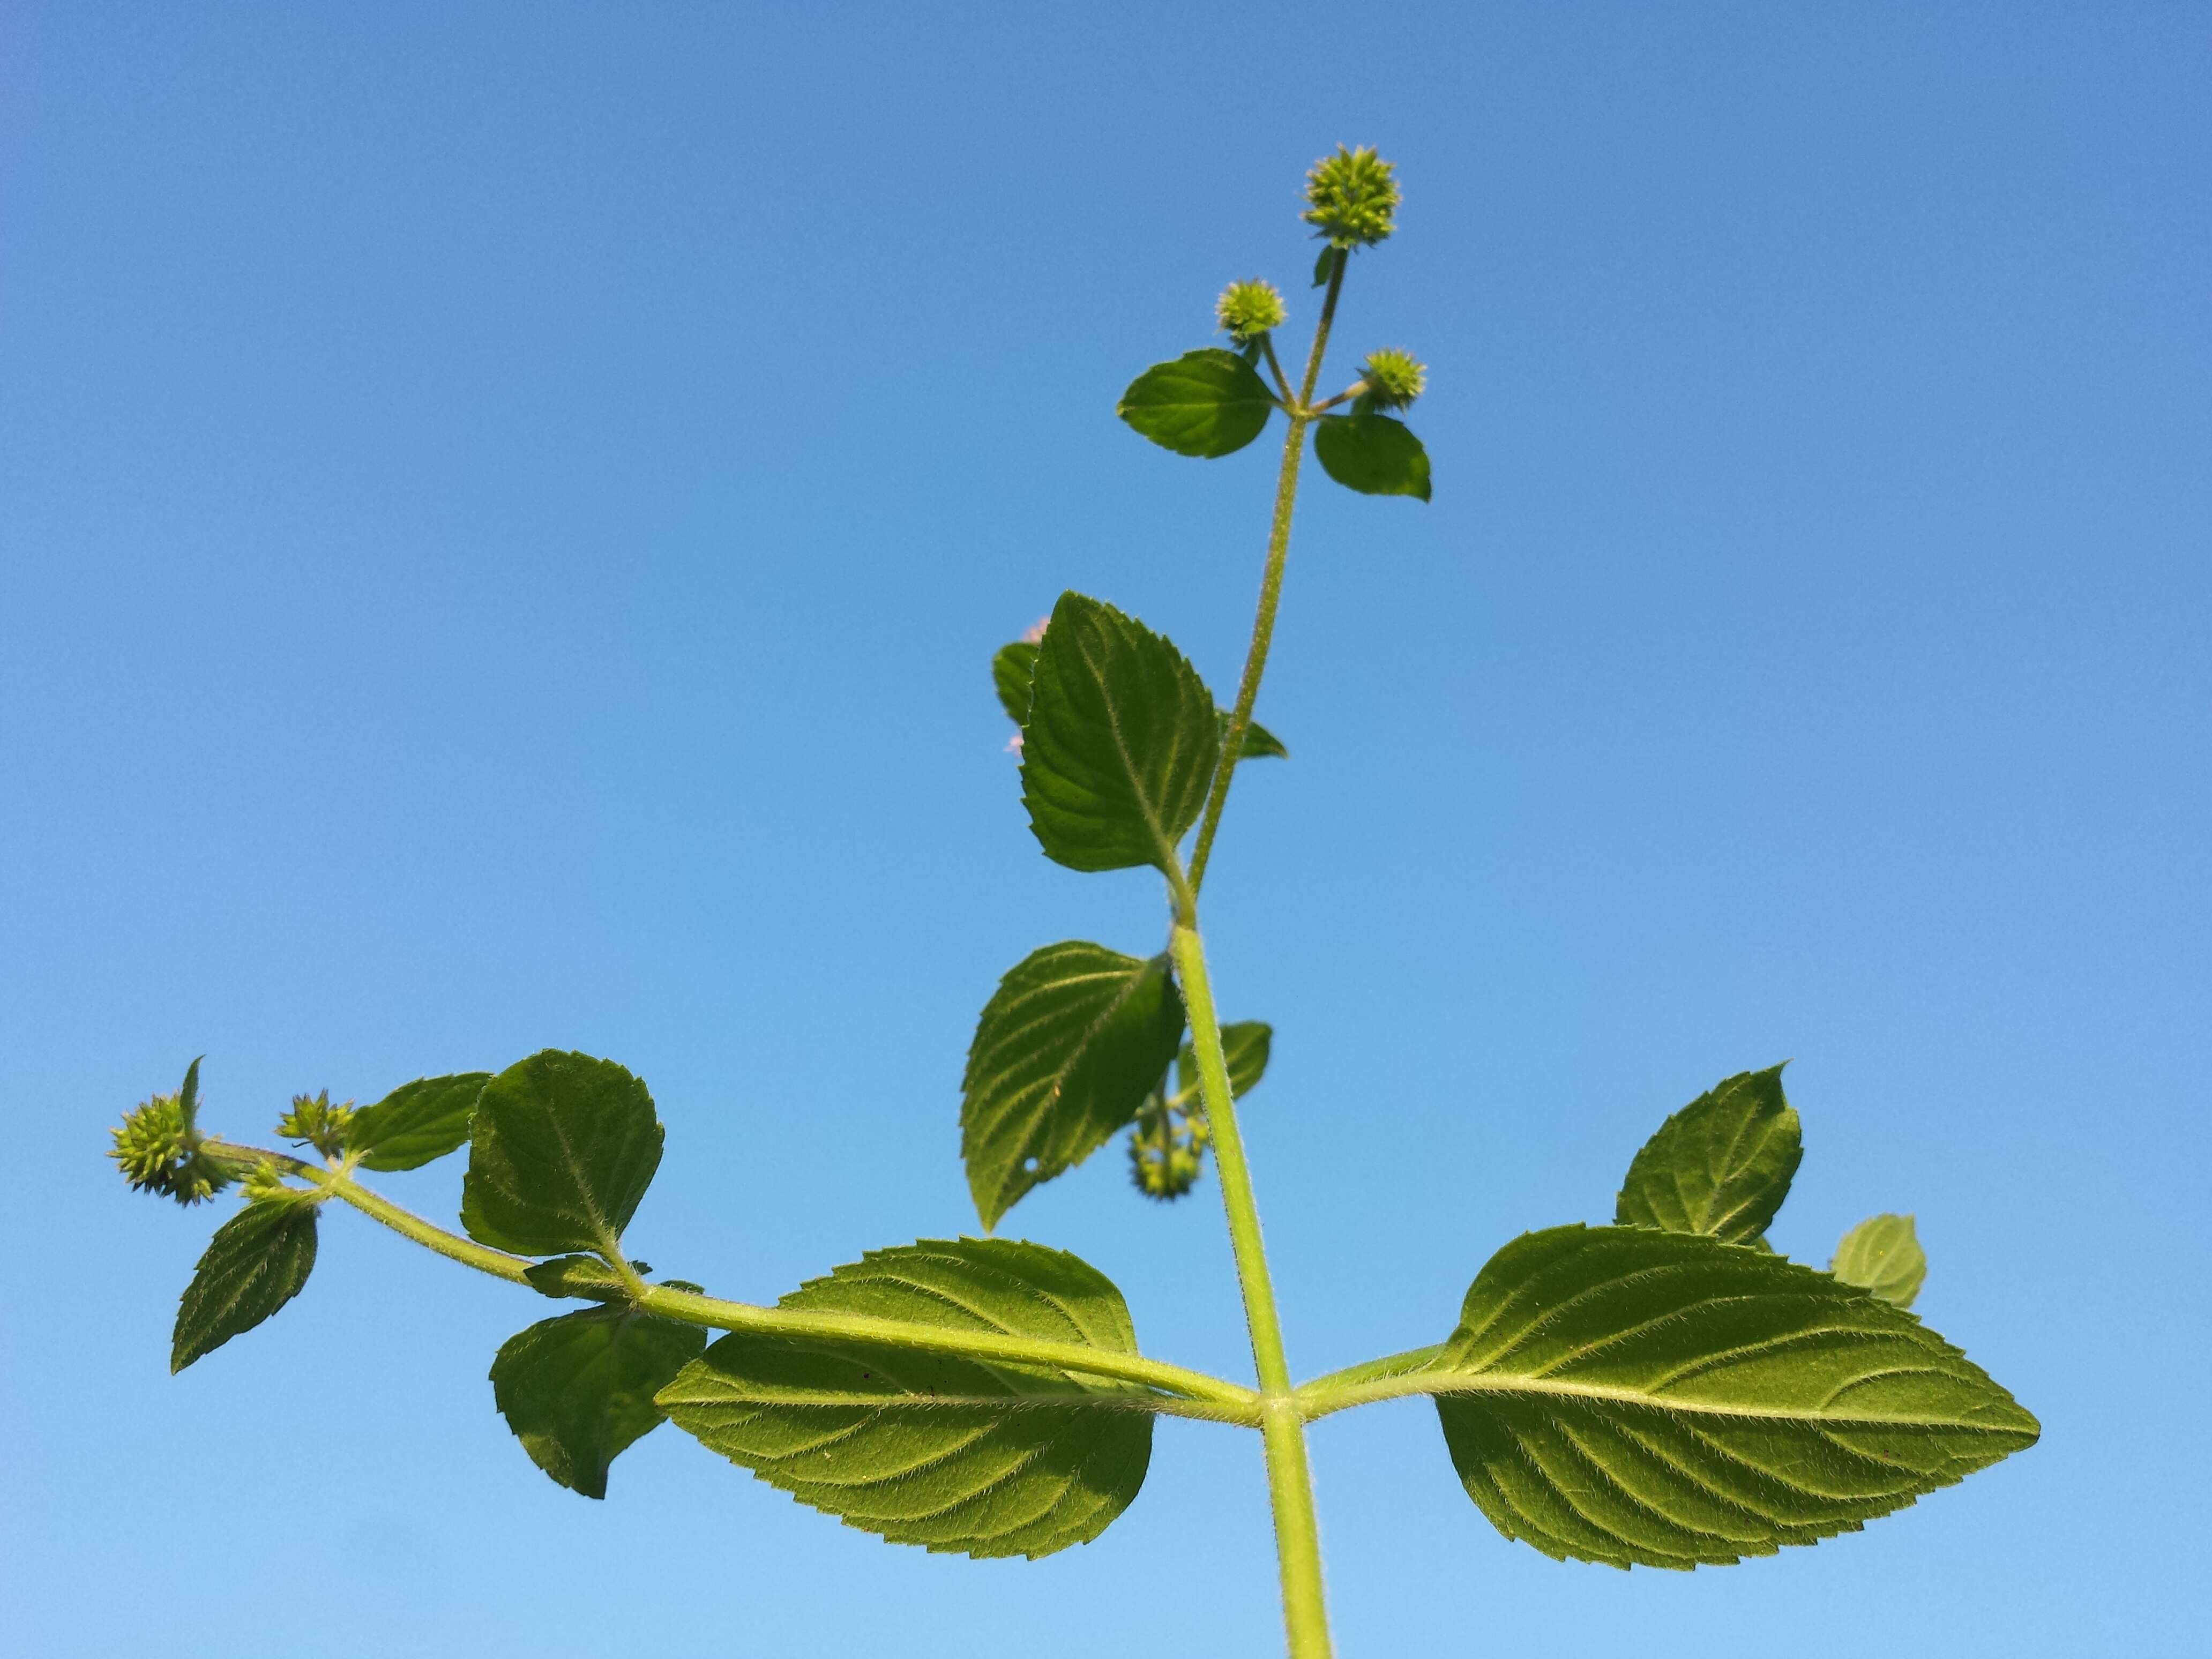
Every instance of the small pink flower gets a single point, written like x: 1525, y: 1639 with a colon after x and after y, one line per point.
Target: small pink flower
x: 1036, y: 633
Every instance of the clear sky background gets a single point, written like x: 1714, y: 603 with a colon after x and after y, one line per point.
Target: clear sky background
x: 504, y: 513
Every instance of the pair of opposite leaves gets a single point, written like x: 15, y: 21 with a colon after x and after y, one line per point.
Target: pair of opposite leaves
x: 1643, y: 1393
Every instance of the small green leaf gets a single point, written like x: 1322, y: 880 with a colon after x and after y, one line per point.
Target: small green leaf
x: 1121, y: 743
x: 579, y: 1276
x: 256, y: 1262
x: 1625, y: 1395
x: 416, y: 1122
x: 1324, y: 262
x: 1244, y: 1045
x: 1883, y: 1254
x: 1260, y: 744
x: 1721, y: 1165
x: 561, y: 1148
x: 1373, y: 454
x: 951, y: 1453
x: 1206, y: 402
x: 1067, y: 1048
x: 1010, y: 677
x: 577, y: 1390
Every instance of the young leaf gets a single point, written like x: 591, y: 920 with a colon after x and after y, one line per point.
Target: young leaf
x: 256, y: 1262
x: 1374, y: 454
x: 1883, y: 1254
x: 577, y: 1390
x: 1068, y: 1047
x: 1260, y: 744
x: 951, y: 1454
x: 416, y: 1122
x: 1721, y: 1165
x: 1011, y: 671
x: 1121, y: 743
x: 1206, y: 402
x: 1623, y: 1395
x: 561, y: 1148
x: 1244, y: 1045
x: 585, y: 1277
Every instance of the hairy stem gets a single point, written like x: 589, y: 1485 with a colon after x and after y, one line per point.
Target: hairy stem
x: 1289, y: 1482
x: 1387, y: 1378
x: 1271, y: 583
x: 1182, y: 1393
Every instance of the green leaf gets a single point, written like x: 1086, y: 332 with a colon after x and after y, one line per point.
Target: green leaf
x: 1623, y: 1395
x: 1260, y: 744
x: 1206, y: 402
x: 1373, y: 454
x: 1883, y: 1254
x: 1121, y: 743
x: 1324, y: 262
x: 416, y: 1122
x: 256, y: 1262
x: 578, y: 1389
x: 1721, y: 1165
x: 561, y: 1148
x: 951, y: 1454
x: 1244, y: 1045
x: 579, y: 1276
x: 1067, y: 1048
x: 1010, y: 677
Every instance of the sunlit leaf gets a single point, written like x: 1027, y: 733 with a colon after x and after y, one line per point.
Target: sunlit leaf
x: 1883, y: 1254
x: 1206, y: 402
x: 561, y: 1148
x: 416, y: 1122
x: 1721, y: 1165
x: 257, y: 1262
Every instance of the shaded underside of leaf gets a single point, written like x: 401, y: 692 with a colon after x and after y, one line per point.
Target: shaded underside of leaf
x: 416, y: 1122
x: 1628, y: 1396
x: 1245, y: 1045
x: 1066, y: 1050
x: 953, y: 1455
x: 578, y: 1390
x: 1373, y: 454
x: 257, y: 1262
x: 1010, y: 670
x: 1883, y: 1255
x: 1205, y: 403
x: 1721, y: 1165
x: 561, y: 1148
x: 1120, y: 741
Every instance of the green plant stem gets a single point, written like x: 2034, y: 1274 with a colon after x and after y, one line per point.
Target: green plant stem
x: 1388, y: 1378
x: 1282, y: 1427
x: 1182, y: 1393
x: 1271, y: 582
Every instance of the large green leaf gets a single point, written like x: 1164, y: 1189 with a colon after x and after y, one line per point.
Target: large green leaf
x: 1068, y: 1047
x: 1010, y: 671
x: 561, y: 1148
x: 1121, y: 743
x: 1206, y: 402
x: 951, y: 1454
x: 1883, y: 1254
x: 256, y: 1262
x: 416, y: 1122
x: 578, y: 1389
x: 1244, y: 1045
x: 1624, y: 1395
x: 1721, y: 1165
x: 1373, y: 454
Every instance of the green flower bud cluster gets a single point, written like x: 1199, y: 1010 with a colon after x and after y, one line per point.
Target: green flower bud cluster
x: 264, y: 1184
x: 1168, y: 1148
x: 313, y: 1120
x: 1248, y: 310
x: 1351, y: 197
x: 1394, y: 380
x: 159, y: 1147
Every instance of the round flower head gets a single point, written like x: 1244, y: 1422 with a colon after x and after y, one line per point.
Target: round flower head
x: 1393, y: 378
x: 1351, y: 197
x: 1248, y: 310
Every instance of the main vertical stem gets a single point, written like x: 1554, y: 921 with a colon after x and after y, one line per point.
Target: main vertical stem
x: 1289, y: 1482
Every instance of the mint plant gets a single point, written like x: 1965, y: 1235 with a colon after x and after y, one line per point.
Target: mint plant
x: 1665, y: 1390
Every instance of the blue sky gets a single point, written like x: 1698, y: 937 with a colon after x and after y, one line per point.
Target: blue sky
x: 504, y: 515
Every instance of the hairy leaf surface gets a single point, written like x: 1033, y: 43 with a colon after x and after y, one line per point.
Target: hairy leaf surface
x: 1014, y: 664
x: 256, y: 1262
x: 1883, y: 1254
x: 1374, y: 454
x: 1121, y: 743
x: 951, y: 1454
x: 1067, y: 1048
x: 561, y: 1148
x: 416, y: 1122
x: 1244, y: 1045
x: 1625, y: 1396
x: 578, y: 1389
x: 1721, y: 1165
x: 1205, y: 402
